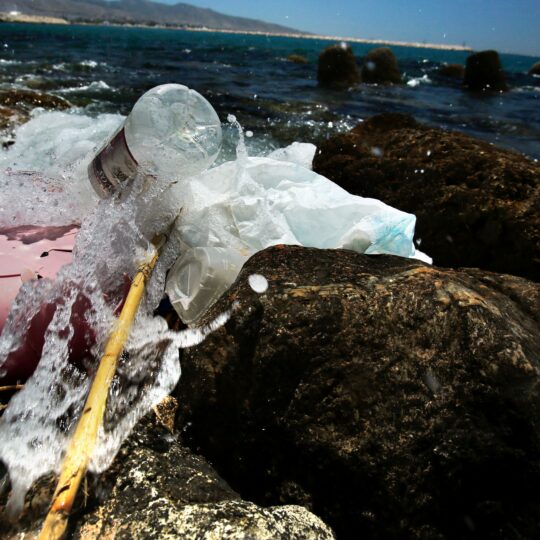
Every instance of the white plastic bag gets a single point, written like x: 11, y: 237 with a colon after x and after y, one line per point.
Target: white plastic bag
x: 253, y: 203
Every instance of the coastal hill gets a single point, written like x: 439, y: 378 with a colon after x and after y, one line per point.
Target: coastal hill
x: 137, y: 12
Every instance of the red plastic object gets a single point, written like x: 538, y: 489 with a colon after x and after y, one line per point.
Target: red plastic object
x: 29, y: 252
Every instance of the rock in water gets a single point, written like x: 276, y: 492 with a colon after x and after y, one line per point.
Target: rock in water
x: 535, y: 69
x: 483, y: 72
x: 28, y: 99
x: 381, y: 67
x: 395, y: 399
x: 452, y: 71
x: 475, y: 204
x: 337, y: 67
x: 297, y: 59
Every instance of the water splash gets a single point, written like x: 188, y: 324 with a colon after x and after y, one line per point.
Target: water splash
x: 241, y: 149
x: 78, y: 311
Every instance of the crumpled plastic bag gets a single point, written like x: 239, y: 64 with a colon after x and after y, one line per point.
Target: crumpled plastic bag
x: 243, y: 206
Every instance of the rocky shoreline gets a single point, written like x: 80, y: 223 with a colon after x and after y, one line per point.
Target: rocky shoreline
x: 385, y: 396
x: 476, y: 205
x: 359, y: 396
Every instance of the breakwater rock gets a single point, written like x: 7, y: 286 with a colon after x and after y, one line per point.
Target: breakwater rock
x: 337, y: 67
x: 394, y: 399
x: 476, y: 204
x: 483, y: 73
x: 381, y: 67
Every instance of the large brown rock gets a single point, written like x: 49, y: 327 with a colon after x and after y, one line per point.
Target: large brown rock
x: 395, y: 399
x: 381, y: 67
x: 483, y: 73
x: 337, y: 67
x: 476, y: 204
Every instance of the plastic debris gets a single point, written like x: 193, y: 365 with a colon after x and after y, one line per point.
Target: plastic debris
x: 238, y: 208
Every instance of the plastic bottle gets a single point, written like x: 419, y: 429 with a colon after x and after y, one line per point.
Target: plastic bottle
x: 199, y: 277
x: 171, y: 131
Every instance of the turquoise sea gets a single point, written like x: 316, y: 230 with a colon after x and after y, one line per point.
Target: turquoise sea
x: 105, y: 69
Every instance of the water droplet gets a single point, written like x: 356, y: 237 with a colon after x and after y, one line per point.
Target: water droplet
x: 258, y: 283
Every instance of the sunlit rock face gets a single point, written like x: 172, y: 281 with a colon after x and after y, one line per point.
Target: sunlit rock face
x: 157, y: 488
x: 381, y: 67
x: 483, y: 73
x: 475, y: 204
x: 337, y: 67
x: 16, y: 105
x: 394, y: 399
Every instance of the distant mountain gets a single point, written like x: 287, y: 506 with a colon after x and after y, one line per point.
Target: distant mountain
x: 139, y: 11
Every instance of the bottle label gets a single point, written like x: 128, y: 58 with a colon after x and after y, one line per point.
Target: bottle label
x: 113, y: 167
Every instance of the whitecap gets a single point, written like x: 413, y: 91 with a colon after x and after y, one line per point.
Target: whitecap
x: 94, y: 86
x: 89, y: 63
x: 417, y: 81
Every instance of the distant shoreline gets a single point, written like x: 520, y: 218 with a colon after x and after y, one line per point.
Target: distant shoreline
x: 321, y: 37
x: 36, y: 19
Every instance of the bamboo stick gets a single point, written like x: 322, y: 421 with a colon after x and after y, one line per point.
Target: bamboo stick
x: 82, y: 444
x: 11, y: 387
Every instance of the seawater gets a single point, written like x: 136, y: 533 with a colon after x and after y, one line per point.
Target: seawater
x: 105, y: 69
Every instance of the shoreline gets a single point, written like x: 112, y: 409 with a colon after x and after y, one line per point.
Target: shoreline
x: 37, y: 19
x: 321, y: 37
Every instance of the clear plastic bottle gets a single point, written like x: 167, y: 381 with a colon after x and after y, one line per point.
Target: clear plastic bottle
x: 199, y: 277
x: 171, y: 131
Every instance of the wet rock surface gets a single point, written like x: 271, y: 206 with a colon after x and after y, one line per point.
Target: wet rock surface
x: 297, y: 59
x: 452, y: 71
x: 156, y: 488
x: 337, y: 67
x: 15, y: 107
x: 483, y: 73
x: 535, y: 69
x: 381, y: 67
x: 476, y: 204
x: 28, y: 99
x: 394, y: 399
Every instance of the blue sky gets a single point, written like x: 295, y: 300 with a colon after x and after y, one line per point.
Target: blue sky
x: 505, y: 25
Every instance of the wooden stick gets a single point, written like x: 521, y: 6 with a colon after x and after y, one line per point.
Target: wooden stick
x: 82, y: 444
x: 11, y: 387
